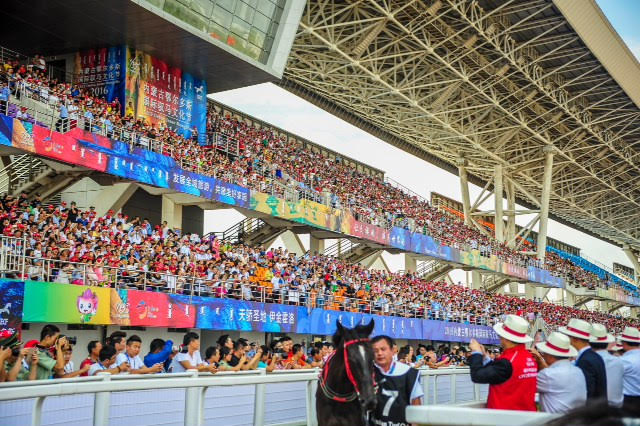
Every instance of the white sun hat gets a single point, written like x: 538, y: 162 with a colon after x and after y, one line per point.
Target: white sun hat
x: 557, y: 344
x: 513, y: 329
x: 599, y: 334
x: 577, y: 328
x: 630, y: 334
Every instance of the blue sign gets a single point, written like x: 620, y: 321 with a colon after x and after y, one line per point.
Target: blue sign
x: 228, y: 314
x: 458, y: 332
x: 11, y: 305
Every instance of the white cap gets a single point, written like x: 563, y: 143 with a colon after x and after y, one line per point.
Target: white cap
x: 630, y: 334
x: 599, y: 334
x: 557, y: 344
x: 577, y: 328
x: 513, y: 329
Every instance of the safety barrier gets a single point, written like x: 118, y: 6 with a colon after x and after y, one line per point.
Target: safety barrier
x: 192, y: 398
x: 454, y: 416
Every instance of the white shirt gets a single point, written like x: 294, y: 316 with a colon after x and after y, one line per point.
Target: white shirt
x: 194, y: 359
x: 631, y: 379
x: 615, y: 370
x: 398, y: 369
x: 562, y: 387
x: 95, y: 367
x: 135, y: 363
x: 69, y: 368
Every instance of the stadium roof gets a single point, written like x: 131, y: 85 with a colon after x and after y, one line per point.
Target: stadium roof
x: 494, y: 82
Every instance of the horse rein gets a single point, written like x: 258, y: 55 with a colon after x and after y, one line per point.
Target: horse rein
x: 328, y: 392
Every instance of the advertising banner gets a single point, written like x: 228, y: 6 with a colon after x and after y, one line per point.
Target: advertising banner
x: 371, y: 232
x: 400, y: 238
x: 456, y: 332
x: 102, y: 72
x: 153, y: 309
x: 11, y: 305
x: 165, y: 95
x: 119, y: 312
x: 66, y: 303
x: 227, y: 314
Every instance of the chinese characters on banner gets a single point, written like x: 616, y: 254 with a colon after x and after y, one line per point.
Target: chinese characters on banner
x: 102, y: 72
x: 165, y: 95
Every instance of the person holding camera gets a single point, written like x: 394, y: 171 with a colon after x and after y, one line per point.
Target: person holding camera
x: 69, y: 368
x: 15, y: 363
x: 49, y: 353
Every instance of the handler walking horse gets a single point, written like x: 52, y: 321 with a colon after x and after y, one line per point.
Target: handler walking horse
x: 347, y: 387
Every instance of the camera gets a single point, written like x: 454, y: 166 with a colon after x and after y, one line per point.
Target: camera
x: 15, y: 351
x: 72, y: 340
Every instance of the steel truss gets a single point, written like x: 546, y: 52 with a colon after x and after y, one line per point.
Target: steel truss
x: 493, y: 82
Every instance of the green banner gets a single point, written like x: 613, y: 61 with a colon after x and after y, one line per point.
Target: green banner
x: 65, y: 303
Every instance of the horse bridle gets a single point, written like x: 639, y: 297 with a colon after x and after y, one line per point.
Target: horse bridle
x: 335, y: 396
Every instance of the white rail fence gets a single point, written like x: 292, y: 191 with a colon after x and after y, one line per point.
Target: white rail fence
x: 243, y: 398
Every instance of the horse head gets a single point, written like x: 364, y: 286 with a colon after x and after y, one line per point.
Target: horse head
x: 354, y: 344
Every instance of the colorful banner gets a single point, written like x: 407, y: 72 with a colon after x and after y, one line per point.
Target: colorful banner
x: 165, y: 95
x: 456, y: 332
x: 102, y: 72
x: 119, y: 311
x: 66, y: 303
x: 371, y: 232
x: 228, y: 314
x: 151, y: 309
x: 11, y: 305
x: 400, y: 238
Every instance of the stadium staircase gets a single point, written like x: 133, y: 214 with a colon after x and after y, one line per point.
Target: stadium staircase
x: 251, y: 231
x: 493, y: 282
x: 350, y: 251
x: 432, y: 270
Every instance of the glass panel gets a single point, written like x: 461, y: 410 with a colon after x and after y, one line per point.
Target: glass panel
x: 156, y: 3
x: 252, y: 3
x: 256, y: 37
x: 185, y: 2
x: 203, y: 7
x: 244, y: 11
x: 261, y: 22
x: 222, y: 17
x: 185, y: 15
x: 218, y: 32
x: 230, y: 5
x: 240, y: 27
x: 266, y: 7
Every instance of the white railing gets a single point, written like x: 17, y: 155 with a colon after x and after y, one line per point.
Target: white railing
x: 192, y: 398
x: 454, y: 416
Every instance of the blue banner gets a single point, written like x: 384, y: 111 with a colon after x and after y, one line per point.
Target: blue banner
x: 193, y: 108
x: 400, y: 238
x: 227, y: 314
x: 11, y: 305
x: 457, y: 332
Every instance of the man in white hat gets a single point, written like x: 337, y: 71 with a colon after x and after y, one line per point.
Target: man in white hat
x: 630, y: 339
x: 591, y: 364
x: 512, y: 375
x: 561, y: 385
x: 600, y: 341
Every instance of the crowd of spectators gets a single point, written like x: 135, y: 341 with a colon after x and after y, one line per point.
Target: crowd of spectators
x: 67, y: 245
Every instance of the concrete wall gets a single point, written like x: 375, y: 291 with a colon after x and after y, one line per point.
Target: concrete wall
x: 82, y: 192
x: 144, y: 205
x: 192, y: 219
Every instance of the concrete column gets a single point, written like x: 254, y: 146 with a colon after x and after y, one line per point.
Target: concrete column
x: 635, y: 312
x: 292, y: 243
x: 529, y: 291
x: 511, y: 218
x: 633, y: 258
x: 498, y: 195
x: 476, y: 280
x: 171, y: 212
x: 464, y: 189
x: 410, y: 263
x: 316, y: 245
x: 113, y: 197
x: 544, y: 202
x: 569, y: 298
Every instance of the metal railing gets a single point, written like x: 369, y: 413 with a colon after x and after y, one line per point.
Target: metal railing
x: 449, y: 385
x: 458, y: 416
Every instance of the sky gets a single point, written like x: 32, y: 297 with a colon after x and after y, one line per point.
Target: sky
x: 285, y: 110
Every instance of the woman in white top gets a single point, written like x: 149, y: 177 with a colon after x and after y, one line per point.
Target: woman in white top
x: 189, y: 358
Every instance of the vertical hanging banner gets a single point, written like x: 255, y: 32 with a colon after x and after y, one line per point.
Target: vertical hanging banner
x: 101, y: 72
x: 165, y: 96
x: 11, y: 304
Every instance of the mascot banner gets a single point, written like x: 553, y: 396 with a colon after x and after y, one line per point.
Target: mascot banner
x: 65, y: 303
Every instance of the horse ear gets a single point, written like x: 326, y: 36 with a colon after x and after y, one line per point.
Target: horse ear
x: 339, y: 327
x: 369, y: 327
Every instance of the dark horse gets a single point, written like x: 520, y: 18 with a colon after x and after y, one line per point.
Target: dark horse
x: 347, y: 388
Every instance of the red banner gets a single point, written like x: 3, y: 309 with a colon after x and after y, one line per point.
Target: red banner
x: 151, y: 309
x: 65, y: 147
x: 371, y: 232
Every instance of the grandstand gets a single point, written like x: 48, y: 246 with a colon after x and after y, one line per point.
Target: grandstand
x: 112, y: 153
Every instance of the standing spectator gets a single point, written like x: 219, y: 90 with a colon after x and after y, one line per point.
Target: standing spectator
x: 117, y: 338
x: 107, y: 362
x: 599, y: 342
x: 226, y: 356
x: 296, y: 362
x: 159, y: 352
x: 49, y: 365
x: 630, y: 339
x: 62, y: 124
x: 4, y: 98
x: 591, y: 364
x: 189, y: 358
x: 93, y: 348
x: 561, y: 385
x: 131, y: 357
x: 69, y: 368
x: 511, y: 376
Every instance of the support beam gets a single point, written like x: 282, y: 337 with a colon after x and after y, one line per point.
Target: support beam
x: 410, y: 263
x: 633, y: 258
x: 544, y: 201
x: 498, y: 195
x: 114, y: 197
x: 316, y: 245
x: 292, y: 243
x: 171, y: 212
x: 464, y: 189
x: 511, y: 219
x: 476, y: 280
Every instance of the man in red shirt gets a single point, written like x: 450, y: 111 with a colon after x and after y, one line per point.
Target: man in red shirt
x: 511, y: 376
x: 93, y: 347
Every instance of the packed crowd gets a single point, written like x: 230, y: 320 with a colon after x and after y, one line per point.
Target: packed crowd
x: 266, y: 161
x: 67, y: 245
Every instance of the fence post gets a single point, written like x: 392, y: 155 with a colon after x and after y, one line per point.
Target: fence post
x: 36, y: 415
x: 311, y: 403
x: 102, y: 404
x: 193, y: 403
x: 425, y: 387
x: 453, y: 389
x: 259, y: 401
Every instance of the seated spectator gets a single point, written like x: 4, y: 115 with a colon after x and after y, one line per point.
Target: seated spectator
x: 131, y: 357
x: 159, y: 353
x: 189, y: 357
x: 107, y: 362
x: 69, y: 368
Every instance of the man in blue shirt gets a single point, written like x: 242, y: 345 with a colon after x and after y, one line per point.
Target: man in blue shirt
x: 62, y: 124
x: 4, y: 98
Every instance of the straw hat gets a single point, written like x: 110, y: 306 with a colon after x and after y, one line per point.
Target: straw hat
x: 513, y: 329
x: 599, y: 334
x: 630, y: 334
x: 557, y: 345
x: 577, y: 328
